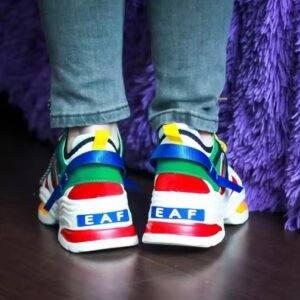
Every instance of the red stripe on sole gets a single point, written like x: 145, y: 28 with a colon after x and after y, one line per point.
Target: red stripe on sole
x: 180, y: 183
x: 79, y: 236
x: 95, y: 190
x: 198, y: 230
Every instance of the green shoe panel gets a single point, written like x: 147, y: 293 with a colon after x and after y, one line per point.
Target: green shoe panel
x: 184, y: 167
x: 94, y: 173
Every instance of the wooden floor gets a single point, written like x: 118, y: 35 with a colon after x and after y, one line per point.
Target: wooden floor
x: 256, y: 261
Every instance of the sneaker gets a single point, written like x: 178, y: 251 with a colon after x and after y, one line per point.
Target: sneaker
x: 195, y: 191
x: 82, y: 191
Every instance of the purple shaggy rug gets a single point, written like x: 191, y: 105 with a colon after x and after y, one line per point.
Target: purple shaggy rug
x: 259, y: 121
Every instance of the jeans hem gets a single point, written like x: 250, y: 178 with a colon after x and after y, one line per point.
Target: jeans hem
x: 85, y: 119
x: 197, y: 122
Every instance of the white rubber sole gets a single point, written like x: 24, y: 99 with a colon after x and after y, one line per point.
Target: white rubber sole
x: 98, y: 245
x: 237, y: 219
x: 46, y: 219
x: 191, y: 241
x: 180, y: 240
x: 65, y: 211
x: 218, y: 210
x: 49, y: 218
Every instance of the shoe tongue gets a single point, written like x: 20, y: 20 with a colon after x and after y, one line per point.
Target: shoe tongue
x: 188, y: 136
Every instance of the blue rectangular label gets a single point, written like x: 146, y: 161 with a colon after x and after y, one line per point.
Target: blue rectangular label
x: 177, y: 213
x: 103, y: 218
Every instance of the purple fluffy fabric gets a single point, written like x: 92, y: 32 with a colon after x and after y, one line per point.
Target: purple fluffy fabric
x: 260, y: 118
x: 259, y: 121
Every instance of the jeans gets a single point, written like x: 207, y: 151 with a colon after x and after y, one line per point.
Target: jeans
x: 85, y: 41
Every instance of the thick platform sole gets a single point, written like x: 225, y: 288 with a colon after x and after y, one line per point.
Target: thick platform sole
x: 97, y: 245
x: 86, y: 237
x: 204, y: 232
x: 193, y: 235
x: 194, y: 241
x: 237, y: 212
x: 182, y: 240
x: 237, y: 219
x: 46, y: 218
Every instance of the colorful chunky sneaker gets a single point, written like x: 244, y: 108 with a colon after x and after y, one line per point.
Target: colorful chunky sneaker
x: 195, y: 191
x: 83, y: 192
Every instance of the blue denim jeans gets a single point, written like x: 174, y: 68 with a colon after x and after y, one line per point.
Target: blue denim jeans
x: 85, y: 42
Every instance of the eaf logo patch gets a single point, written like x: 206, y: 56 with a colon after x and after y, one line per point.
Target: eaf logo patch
x: 177, y: 213
x: 103, y: 218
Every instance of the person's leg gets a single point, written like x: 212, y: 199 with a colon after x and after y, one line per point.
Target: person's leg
x: 188, y: 49
x: 85, y: 42
x: 195, y: 191
x: 83, y: 189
